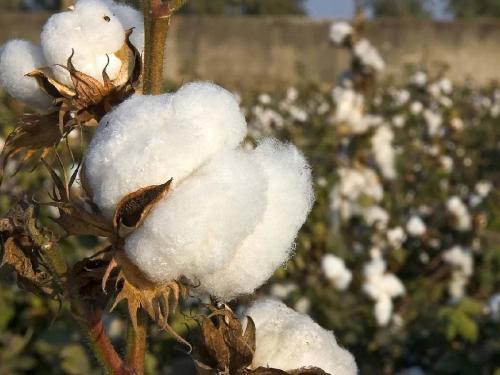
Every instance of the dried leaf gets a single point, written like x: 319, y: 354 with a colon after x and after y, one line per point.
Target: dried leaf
x: 133, y: 209
x: 75, y: 221
x: 33, y: 133
x: 49, y: 85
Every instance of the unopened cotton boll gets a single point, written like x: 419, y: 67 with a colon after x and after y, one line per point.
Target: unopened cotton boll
x: 199, y: 226
x: 147, y: 140
x: 18, y: 58
x: 289, y: 200
x: 91, y: 32
x: 288, y: 340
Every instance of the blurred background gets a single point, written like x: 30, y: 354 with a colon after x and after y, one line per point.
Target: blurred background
x: 401, y: 123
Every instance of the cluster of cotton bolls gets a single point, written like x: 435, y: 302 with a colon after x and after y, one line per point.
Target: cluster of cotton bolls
x: 92, y: 32
x: 462, y: 263
x: 232, y: 215
x: 288, y: 340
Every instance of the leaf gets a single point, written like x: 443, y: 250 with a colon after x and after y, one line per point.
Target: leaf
x: 76, y: 221
x: 50, y: 86
x: 33, y: 133
x: 133, y: 209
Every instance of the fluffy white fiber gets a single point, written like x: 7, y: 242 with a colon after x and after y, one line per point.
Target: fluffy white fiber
x: 149, y: 139
x: 336, y: 271
x: 199, y: 227
x: 95, y: 30
x: 289, y: 200
x: 288, y: 340
x: 339, y: 31
x: 17, y: 58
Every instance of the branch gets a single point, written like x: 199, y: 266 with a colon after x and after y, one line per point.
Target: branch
x: 136, y: 344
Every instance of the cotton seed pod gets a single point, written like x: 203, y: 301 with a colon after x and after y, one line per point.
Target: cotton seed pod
x: 149, y: 139
x: 289, y: 200
x: 18, y: 58
x: 198, y: 227
x: 288, y: 340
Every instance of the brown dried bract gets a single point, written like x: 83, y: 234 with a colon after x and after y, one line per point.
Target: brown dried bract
x: 26, y: 249
x: 83, y: 104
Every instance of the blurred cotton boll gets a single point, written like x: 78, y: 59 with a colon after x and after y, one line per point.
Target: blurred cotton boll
x: 368, y: 55
x: 288, y: 340
x: 416, y: 226
x: 289, y: 200
x: 384, y: 151
x: 18, y: 58
x: 189, y: 127
x: 462, y: 220
x: 339, y: 32
x: 336, y: 271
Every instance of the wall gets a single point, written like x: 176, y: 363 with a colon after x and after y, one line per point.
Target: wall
x: 271, y: 52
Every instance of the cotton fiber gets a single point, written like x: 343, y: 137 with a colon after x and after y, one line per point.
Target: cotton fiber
x: 287, y: 340
x: 289, y: 200
x: 336, y: 271
x: 200, y: 225
x: 94, y: 30
x: 147, y: 140
x: 18, y: 58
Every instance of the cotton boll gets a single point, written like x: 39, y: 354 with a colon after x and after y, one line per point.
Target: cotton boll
x: 200, y: 225
x: 288, y: 340
x: 339, y: 31
x: 368, y: 55
x: 289, y: 200
x: 335, y: 270
x: 384, y: 151
x: 383, y: 310
x: 416, y: 226
x: 90, y: 30
x: 147, y: 140
x: 130, y: 18
x: 18, y: 58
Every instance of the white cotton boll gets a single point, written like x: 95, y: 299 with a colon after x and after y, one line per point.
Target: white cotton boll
x: 289, y: 200
x: 383, y: 310
x: 462, y: 219
x: 483, y: 188
x: 92, y: 31
x: 434, y: 122
x: 460, y: 258
x: 419, y: 79
x: 287, y: 340
x: 368, y: 55
x: 376, y: 216
x: 198, y: 228
x: 384, y: 152
x: 416, y: 108
x: 147, y: 140
x: 416, y: 226
x: 339, y: 31
x: 18, y: 58
x: 335, y: 270
x: 396, y: 237
x: 130, y: 18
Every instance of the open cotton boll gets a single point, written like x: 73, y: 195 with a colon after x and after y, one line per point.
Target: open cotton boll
x: 289, y: 200
x: 18, y: 58
x: 288, y: 340
x: 197, y: 229
x: 147, y: 140
x: 130, y: 18
x: 339, y: 31
x: 92, y: 31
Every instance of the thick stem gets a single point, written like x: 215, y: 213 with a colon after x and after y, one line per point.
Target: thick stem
x: 136, y: 344
x: 157, y: 15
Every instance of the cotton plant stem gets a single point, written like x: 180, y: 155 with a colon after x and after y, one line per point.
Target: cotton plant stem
x: 157, y: 16
x: 136, y: 344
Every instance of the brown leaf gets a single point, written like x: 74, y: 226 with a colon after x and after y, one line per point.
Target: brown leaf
x: 50, y: 86
x: 75, y: 220
x: 266, y: 371
x: 33, y: 133
x: 308, y: 371
x: 133, y: 209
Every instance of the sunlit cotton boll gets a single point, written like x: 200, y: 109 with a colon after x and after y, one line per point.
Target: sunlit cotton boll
x: 92, y: 31
x: 416, y: 226
x: 288, y: 340
x: 336, y: 271
x: 384, y: 151
x: 130, y: 18
x: 200, y: 225
x: 339, y: 32
x: 147, y: 140
x: 462, y: 220
x: 18, y: 58
x: 289, y: 199
x: 368, y: 55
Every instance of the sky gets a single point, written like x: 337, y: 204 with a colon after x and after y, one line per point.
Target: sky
x: 343, y: 9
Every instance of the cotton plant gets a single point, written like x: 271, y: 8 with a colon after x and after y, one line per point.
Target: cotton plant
x: 192, y: 211
x: 87, y: 62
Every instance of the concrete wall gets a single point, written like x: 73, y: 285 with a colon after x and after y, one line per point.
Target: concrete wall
x: 268, y: 52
